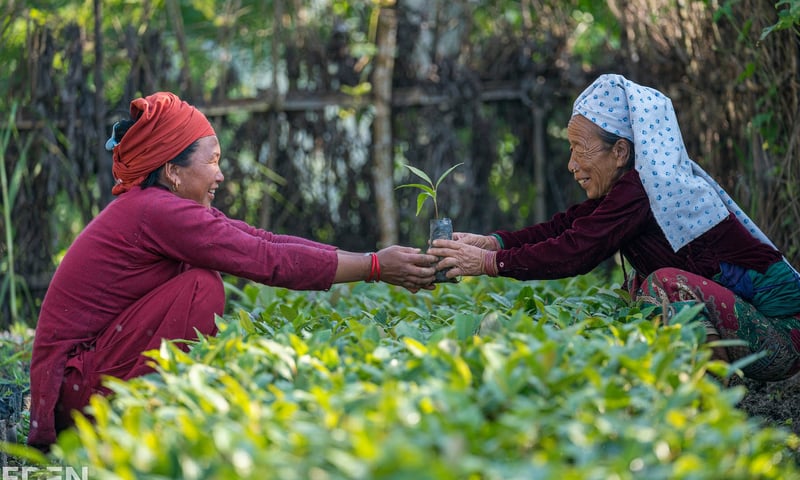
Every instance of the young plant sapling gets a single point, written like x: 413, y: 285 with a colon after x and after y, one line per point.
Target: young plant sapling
x: 439, y: 227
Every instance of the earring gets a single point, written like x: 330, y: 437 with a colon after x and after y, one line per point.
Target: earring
x: 174, y: 187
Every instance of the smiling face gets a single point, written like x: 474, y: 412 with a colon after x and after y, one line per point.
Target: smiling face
x: 595, y: 164
x: 199, y: 179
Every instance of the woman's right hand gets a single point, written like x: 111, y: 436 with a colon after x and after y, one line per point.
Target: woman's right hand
x: 460, y: 258
x: 485, y: 242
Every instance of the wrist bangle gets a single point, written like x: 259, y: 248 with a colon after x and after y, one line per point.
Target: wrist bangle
x: 374, y: 269
x: 377, y: 275
x: 490, y: 263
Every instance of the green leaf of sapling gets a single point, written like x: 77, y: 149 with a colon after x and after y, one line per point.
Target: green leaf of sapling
x: 424, y: 188
x: 420, y: 174
x: 446, y: 173
x: 421, y: 201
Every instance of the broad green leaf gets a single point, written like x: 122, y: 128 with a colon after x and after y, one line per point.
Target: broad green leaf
x: 445, y: 174
x: 421, y: 201
x: 420, y: 174
x: 415, y: 347
x: 419, y: 186
x: 246, y: 322
x: 466, y: 325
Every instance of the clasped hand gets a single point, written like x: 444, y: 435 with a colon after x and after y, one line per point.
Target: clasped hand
x: 464, y: 255
x: 407, y: 267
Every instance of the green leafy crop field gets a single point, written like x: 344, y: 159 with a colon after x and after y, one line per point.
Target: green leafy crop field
x: 485, y: 379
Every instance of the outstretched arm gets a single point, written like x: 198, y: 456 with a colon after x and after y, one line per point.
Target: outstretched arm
x: 397, y: 265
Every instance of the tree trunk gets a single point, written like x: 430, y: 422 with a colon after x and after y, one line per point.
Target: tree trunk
x: 382, y: 172
x: 174, y: 9
x: 273, y: 117
x: 104, y: 174
x: 539, y: 159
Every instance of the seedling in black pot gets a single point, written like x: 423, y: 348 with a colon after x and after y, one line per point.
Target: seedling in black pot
x: 439, y: 227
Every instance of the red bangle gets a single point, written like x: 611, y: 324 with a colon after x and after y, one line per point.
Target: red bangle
x: 374, y: 269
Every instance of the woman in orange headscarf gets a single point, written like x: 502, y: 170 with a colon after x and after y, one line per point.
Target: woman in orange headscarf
x: 146, y: 268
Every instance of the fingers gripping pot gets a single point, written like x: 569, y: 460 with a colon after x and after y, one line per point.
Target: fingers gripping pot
x: 441, y: 228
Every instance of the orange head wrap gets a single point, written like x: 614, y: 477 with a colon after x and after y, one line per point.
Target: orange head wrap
x: 165, y: 126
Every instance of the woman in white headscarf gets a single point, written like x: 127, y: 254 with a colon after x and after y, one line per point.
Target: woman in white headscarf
x: 686, y: 239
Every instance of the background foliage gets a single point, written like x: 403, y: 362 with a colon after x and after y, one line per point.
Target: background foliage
x: 287, y: 85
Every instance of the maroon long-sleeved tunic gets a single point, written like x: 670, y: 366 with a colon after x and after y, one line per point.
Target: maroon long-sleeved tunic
x: 138, y: 242
x: 577, y: 240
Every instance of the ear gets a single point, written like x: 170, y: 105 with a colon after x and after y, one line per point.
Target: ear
x: 622, y: 151
x: 170, y: 173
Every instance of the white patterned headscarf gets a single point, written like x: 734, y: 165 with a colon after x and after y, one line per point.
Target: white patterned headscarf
x: 685, y: 200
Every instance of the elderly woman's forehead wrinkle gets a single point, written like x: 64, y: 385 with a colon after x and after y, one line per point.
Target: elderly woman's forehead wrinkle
x: 583, y: 135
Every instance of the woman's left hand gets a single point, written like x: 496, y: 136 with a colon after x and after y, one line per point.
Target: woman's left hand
x: 487, y: 242
x: 407, y: 267
x: 461, y: 258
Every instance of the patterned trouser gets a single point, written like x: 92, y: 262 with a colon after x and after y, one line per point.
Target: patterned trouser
x: 732, y: 318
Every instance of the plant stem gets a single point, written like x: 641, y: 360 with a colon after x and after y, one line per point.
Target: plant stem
x: 7, y: 216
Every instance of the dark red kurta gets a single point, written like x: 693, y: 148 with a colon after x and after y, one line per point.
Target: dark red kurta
x: 140, y: 242
x: 575, y: 241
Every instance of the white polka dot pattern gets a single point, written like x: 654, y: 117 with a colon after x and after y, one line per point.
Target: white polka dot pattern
x: 685, y: 200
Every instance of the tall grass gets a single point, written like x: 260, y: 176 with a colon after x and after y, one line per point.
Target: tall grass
x: 11, y: 284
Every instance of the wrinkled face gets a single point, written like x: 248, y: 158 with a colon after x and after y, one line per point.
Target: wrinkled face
x: 595, y: 164
x: 199, y: 180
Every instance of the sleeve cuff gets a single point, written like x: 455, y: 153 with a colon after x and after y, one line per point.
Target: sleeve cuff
x: 498, y: 241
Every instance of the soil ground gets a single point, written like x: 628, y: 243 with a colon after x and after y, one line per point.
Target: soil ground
x: 774, y: 403
x: 777, y: 403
